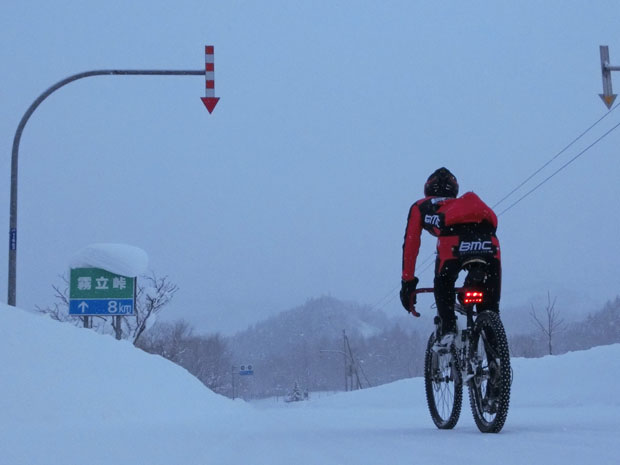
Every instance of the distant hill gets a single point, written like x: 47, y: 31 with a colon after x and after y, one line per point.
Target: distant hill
x: 305, y: 345
x: 318, y: 317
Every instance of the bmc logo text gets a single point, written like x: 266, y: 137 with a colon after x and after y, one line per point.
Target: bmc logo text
x: 432, y: 219
x: 475, y: 246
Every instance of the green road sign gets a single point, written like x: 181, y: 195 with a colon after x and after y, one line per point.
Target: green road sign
x: 95, y: 283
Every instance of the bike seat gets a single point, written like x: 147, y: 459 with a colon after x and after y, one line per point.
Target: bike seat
x: 467, y: 264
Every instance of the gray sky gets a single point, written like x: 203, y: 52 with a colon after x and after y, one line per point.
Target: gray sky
x: 332, y: 115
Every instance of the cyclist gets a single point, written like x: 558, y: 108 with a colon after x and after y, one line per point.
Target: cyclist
x: 465, y: 229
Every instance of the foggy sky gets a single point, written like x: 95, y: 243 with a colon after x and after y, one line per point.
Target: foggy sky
x: 332, y: 115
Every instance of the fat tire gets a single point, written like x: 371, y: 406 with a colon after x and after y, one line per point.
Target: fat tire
x: 489, y: 327
x: 452, y: 403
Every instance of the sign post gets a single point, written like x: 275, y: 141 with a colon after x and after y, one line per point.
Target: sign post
x: 242, y: 370
x: 209, y: 100
x: 94, y: 291
x: 246, y: 370
x: 607, y: 96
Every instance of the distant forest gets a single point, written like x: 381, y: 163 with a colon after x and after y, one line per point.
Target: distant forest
x: 330, y: 345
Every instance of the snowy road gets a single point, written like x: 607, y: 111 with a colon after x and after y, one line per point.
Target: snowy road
x: 72, y: 397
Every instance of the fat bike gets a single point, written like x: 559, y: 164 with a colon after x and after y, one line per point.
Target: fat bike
x: 477, y: 357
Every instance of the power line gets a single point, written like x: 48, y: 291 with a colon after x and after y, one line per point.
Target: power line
x: 561, y: 168
x: 555, y: 156
x: 428, y: 261
x: 389, y: 294
x: 392, y: 294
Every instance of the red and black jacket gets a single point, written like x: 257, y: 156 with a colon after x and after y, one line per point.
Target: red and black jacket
x: 443, y: 216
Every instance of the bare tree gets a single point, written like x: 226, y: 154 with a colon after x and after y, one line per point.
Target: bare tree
x: 59, y: 310
x: 152, y: 295
x: 208, y: 358
x: 151, y: 298
x: 167, y: 339
x: 551, y: 322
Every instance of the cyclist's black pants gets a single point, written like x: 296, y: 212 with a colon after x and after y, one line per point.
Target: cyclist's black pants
x: 447, y: 267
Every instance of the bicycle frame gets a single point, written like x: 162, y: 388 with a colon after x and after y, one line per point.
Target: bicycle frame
x: 477, y: 357
x: 470, y: 297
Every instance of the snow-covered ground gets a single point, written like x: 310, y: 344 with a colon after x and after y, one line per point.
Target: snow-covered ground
x: 69, y: 396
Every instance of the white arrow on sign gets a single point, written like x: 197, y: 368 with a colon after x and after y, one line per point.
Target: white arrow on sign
x: 83, y: 306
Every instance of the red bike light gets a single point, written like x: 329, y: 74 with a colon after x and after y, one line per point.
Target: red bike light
x: 473, y: 297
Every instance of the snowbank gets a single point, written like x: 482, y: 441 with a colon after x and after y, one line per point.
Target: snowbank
x: 71, y: 396
x: 587, y: 377
x: 59, y: 374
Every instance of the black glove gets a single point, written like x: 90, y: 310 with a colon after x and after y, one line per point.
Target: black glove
x: 407, y: 293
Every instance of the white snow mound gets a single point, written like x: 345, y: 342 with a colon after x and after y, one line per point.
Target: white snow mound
x: 121, y: 259
x: 74, y: 378
x: 71, y: 396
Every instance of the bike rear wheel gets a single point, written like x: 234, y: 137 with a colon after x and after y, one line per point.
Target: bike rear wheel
x: 489, y: 388
x: 443, y: 385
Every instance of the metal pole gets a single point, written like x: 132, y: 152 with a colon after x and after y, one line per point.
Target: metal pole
x: 118, y: 328
x: 344, y: 355
x: 18, y: 134
x: 232, y: 374
x: 607, y: 96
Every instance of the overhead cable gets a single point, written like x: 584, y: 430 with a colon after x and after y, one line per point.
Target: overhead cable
x: 428, y: 262
x: 560, y: 168
x: 555, y: 156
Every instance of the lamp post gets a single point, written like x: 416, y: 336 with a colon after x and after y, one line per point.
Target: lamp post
x: 18, y: 134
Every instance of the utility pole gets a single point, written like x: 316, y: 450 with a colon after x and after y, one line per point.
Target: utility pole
x: 232, y: 375
x: 352, y: 364
x: 346, y: 367
x: 351, y: 367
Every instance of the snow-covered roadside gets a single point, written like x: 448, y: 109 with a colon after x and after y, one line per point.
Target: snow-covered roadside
x: 70, y: 396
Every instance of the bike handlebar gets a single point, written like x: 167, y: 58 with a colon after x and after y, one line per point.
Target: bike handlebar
x: 423, y: 290
x: 427, y: 290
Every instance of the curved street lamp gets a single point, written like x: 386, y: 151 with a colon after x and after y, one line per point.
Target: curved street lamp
x: 18, y: 134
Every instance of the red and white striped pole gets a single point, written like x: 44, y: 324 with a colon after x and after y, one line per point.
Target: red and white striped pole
x: 210, y: 100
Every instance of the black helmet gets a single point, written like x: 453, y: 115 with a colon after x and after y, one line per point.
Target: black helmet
x: 441, y: 183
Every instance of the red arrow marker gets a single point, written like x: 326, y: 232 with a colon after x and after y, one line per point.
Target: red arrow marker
x: 210, y: 100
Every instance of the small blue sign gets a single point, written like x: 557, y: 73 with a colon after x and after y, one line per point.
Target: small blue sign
x: 83, y: 307
x: 246, y: 370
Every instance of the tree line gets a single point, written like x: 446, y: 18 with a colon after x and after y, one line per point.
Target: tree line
x: 323, y: 345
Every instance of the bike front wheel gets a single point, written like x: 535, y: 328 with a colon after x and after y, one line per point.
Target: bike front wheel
x: 443, y: 384
x: 489, y: 388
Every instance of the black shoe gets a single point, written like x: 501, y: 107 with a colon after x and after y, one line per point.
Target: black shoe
x: 448, y: 326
